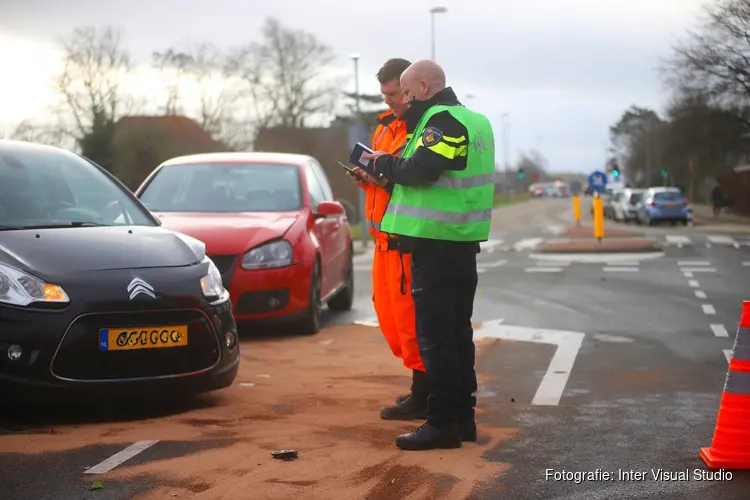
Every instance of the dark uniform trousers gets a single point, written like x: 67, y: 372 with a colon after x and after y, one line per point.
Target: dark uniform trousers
x: 444, y: 282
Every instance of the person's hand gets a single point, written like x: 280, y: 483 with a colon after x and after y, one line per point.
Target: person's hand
x: 373, y: 156
x: 359, y: 181
x: 364, y: 176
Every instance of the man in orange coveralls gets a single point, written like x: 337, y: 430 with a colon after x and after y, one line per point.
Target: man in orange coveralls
x: 391, y: 272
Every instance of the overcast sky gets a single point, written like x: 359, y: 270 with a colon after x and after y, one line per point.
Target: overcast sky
x: 563, y: 70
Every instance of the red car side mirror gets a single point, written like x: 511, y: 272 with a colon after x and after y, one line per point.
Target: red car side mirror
x: 327, y: 208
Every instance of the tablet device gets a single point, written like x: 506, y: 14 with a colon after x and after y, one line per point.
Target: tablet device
x: 356, y: 158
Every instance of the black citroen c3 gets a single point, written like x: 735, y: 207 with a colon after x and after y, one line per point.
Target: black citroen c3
x: 95, y: 294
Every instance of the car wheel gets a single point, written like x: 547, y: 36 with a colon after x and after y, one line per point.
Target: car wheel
x: 344, y: 299
x: 310, y: 325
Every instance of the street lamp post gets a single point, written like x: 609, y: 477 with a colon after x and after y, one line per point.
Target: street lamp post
x: 433, y: 11
x: 362, y: 208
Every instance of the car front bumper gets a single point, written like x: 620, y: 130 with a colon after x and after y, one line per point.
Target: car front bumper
x: 60, y: 349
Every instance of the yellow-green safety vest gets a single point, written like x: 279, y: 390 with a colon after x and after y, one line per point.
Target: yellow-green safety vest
x: 458, y: 207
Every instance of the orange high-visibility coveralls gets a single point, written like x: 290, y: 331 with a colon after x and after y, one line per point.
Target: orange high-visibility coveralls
x: 391, y: 272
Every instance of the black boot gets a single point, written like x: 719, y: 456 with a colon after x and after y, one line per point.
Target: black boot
x: 430, y: 437
x: 468, y: 430
x: 400, y: 399
x: 414, y: 405
x: 467, y: 425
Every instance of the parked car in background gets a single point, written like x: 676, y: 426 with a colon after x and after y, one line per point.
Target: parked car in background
x: 664, y: 204
x: 271, y: 223
x: 625, y: 204
x: 95, y: 296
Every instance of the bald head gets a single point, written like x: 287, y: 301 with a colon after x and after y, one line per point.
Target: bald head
x: 422, y: 80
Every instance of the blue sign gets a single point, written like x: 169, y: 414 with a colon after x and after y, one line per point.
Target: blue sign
x: 598, y: 181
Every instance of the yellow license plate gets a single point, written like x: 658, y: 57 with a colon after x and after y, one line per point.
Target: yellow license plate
x: 152, y: 337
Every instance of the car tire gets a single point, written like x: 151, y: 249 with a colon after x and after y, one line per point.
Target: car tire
x: 310, y: 325
x: 344, y: 299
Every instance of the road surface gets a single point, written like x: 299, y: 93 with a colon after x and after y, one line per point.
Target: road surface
x: 612, y: 366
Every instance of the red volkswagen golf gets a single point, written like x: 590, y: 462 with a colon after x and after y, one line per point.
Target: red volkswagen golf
x: 272, y: 226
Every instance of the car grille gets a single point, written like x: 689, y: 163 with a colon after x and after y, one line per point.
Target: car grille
x: 79, y: 358
x: 224, y: 263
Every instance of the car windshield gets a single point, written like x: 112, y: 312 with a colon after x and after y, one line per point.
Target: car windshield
x: 227, y: 187
x: 667, y: 195
x: 635, y: 198
x: 44, y: 187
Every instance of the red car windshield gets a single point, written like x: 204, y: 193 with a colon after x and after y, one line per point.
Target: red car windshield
x: 224, y: 187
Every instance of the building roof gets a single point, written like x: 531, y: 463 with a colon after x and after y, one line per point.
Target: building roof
x: 179, y: 127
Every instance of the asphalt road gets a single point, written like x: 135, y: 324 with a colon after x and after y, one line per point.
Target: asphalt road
x: 635, y: 384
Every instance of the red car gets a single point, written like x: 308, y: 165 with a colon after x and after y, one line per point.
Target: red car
x: 272, y: 226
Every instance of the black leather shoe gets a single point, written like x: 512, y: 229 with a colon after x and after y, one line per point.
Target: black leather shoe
x: 468, y: 430
x: 410, y: 409
x: 430, y: 437
x: 400, y: 399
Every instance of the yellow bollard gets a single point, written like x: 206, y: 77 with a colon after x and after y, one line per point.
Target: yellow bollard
x: 598, y: 217
x: 577, y: 209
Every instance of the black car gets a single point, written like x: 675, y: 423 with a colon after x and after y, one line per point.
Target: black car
x: 94, y: 294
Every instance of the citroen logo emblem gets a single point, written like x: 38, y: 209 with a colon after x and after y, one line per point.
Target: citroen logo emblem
x: 140, y: 287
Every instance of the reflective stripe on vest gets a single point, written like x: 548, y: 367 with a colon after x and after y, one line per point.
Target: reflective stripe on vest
x: 458, y: 207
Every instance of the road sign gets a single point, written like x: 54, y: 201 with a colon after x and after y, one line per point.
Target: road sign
x: 576, y: 187
x: 598, y: 181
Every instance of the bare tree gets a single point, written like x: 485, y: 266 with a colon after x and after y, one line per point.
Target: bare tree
x: 204, y: 63
x: 49, y: 134
x: 90, y: 84
x: 284, y: 76
x: 715, y: 58
x: 174, y: 67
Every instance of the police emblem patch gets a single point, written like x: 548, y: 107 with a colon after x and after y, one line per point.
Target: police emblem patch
x: 431, y: 136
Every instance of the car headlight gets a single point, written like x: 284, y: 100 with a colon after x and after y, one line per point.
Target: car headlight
x: 268, y: 256
x: 212, y: 284
x: 21, y: 289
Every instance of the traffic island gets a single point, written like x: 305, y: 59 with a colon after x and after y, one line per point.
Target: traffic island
x: 588, y: 232
x: 609, y: 244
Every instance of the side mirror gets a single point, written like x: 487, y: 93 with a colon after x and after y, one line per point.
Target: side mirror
x: 328, y: 208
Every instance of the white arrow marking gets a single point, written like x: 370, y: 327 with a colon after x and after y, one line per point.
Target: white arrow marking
x: 527, y: 243
x: 555, y: 379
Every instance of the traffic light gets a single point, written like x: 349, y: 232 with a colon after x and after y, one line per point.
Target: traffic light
x: 616, y: 171
x: 521, y: 173
x: 664, y: 172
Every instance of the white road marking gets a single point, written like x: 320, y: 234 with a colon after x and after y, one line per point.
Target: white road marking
x: 481, y: 271
x: 371, y: 321
x: 746, y: 264
x: 120, y: 457
x: 553, y: 264
x: 678, y: 239
x: 623, y: 263
x: 694, y: 283
x: 698, y: 269
x: 595, y: 258
x: 620, y: 269
x: 543, y: 269
x: 527, y: 243
x: 708, y: 309
x: 694, y: 263
x: 556, y: 378
x: 728, y: 354
x: 720, y: 240
x: 719, y: 330
x: 555, y: 229
x: 688, y: 275
x: 700, y: 294
x: 497, y: 263
x: 490, y: 246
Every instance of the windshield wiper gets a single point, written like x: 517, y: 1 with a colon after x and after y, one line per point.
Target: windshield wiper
x: 75, y: 223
